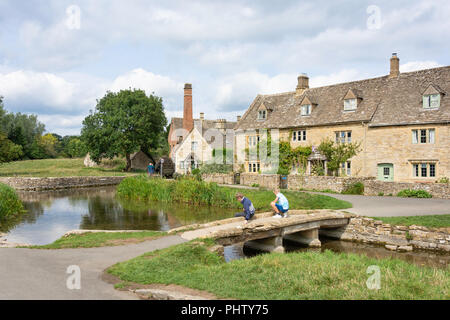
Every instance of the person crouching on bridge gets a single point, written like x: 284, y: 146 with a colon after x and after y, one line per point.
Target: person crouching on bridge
x: 280, y: 205
x: 249, y: 209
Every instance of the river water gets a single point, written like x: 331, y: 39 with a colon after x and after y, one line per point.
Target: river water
x: 50, y: 214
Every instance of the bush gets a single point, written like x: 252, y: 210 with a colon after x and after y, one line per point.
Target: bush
x: 443, y: 180
x: 409, y: 193
x: 10, y: 204
x: 354, y: 188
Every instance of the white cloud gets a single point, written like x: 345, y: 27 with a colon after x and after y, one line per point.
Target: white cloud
x: 418, y: 65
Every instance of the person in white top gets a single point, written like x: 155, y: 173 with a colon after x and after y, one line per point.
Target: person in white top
x: 280, y: 205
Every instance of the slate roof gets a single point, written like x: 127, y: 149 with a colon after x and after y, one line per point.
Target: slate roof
x: 384, y: 102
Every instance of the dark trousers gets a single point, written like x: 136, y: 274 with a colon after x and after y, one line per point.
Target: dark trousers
x: 242, y: 214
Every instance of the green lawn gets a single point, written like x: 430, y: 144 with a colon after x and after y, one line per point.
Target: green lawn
x: 301, y: 275
x: 101, y: 239
x: 59, y: 168
x: 432, y: 221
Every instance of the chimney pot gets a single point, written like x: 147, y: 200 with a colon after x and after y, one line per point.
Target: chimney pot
x: 202, y: 116
x: 238, y: 118
x: 395, y: 66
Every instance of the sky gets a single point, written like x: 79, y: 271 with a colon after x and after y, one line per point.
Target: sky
x: 57, y: 57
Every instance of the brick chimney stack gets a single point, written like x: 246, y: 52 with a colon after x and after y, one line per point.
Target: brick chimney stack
x: 395, y: 66
x: 303, y: 84
x: 188, y: 120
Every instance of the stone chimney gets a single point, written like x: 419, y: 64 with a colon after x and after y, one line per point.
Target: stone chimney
x: 188, y: 120
x: 202, y: 116
x: 238, y: 118
x: 220, y: 123
x: 303, y: 84
x: 395, y: 66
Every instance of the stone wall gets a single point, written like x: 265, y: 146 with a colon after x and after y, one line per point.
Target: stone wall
x: 262, y: 180
x: 375, y: 187
x: 335, y: 184
x: 59, y: 183
x: 220, y: 178
x: 401, y: 238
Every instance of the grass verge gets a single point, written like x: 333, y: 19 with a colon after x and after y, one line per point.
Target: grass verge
x: 101, y: 239
x: 432, y: 221
x: 202, y: 193
x: 301, y: 275
x: 58, y: 168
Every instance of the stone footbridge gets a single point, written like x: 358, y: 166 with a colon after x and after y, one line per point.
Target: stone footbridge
x: 266, y: 233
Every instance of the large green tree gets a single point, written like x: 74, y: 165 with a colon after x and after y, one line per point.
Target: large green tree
x: 123, y: 123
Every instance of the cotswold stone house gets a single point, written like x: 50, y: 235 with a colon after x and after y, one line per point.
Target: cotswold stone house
x: 401, y: 120
x: 192, y: 141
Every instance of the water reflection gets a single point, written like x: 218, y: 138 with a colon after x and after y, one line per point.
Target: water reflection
x: 421, y: 258
x: 50, y: 214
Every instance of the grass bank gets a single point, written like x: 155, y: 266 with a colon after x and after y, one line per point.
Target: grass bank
x: 10, y: 204
x: 101, y: 239
x: 305, y: 275
x: 60, y: 168
x: 204, y: 193
x: 432, y: 221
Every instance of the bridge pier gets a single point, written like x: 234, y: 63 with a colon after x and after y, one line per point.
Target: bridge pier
x: 306, y: 237
x: 272, y: 244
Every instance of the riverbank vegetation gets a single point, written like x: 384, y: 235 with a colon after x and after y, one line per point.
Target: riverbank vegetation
x: 431, y: 221
x: 101, y: 239
x: 61, y: 168
x: 299, y: 275
x: 192, y: 191
x: 10, y: 204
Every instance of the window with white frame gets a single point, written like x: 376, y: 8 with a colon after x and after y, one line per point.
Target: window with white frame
x: 262, y: 114
x: 305, y: 110
x: 343, y: 136
x: 181, y: 164
x: 194, y: 145
x: 424, y: 170
x: 423, y: 136
x: 253, y: 141
x: 431, y: 101
x: 299, y: 135
x: 253, y: 167
x: 346, y: 168
x: 350, y: 104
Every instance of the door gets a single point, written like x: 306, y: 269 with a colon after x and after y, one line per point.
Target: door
x: 385, y: 172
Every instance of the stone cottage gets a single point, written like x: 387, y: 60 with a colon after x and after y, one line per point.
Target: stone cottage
x: 193, y: 141
x: 401, y: 121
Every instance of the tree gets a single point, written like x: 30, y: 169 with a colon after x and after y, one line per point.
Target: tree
x: 75, y: 148
x: 337, y: 153
x: 8, y: 150
x: 123, y: 123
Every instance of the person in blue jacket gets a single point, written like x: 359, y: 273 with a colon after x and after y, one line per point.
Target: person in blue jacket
x: 249, y: 209
x: 150, y: 169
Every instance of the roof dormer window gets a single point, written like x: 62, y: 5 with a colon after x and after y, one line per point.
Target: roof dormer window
x: 350, y: 104
x: 431, y: 98
x: 305, y: 110
x: 262, y: 114
x: 431, y: 101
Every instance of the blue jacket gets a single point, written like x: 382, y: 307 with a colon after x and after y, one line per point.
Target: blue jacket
x: 249, y: 209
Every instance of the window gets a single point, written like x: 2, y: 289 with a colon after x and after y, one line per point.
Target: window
x: 386, y: 171
x: 253, y: 141
x: 305, y: 110
x: 299, y: 135
x: 423, y: 136
x: 431, y: 101
x: 343, y: 136
x: 346, y: 168
x: 253, y: 167
x: 181, y: 164
x: 350, y: 104
x: 432, y: 170
x: 424, y: 170
x: 262, y: 114
x: 194, y: 145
